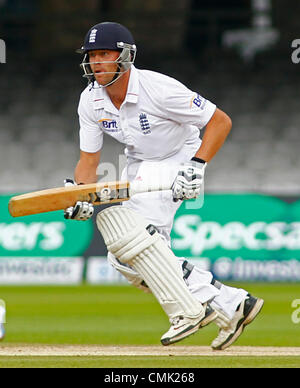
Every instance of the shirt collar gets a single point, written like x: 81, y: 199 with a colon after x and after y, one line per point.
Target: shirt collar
x: 102, y: 100
x: 133, y: 86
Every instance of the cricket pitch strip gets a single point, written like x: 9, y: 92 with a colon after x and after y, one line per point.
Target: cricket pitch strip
x: 123, y: 350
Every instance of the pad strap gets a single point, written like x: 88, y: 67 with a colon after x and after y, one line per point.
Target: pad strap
x: 216, y: 283
x: 187, y: 269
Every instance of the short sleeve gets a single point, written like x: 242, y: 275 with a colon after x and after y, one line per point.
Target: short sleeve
x: 187, y: 107
x: 90, y: 133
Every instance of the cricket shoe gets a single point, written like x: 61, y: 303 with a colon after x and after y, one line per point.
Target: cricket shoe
x: 230, y: 330
x: 182, y: 327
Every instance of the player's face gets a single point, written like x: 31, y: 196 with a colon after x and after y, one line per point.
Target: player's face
x: 104, y: 71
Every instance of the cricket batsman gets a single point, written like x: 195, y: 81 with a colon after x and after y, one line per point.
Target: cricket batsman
x: 158, y: 120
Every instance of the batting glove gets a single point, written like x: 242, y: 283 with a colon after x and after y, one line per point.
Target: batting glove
x: 189, y: 180
x: 82, y: 210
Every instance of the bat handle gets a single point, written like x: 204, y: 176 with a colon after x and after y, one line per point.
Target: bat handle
x: 137, y: 187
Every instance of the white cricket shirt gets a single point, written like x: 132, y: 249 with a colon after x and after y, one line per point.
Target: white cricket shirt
x: 158, y: 117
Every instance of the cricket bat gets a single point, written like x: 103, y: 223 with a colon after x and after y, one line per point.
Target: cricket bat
x: 61, y: 198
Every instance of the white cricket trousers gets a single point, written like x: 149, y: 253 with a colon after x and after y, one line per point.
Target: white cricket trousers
x: 159, y: 209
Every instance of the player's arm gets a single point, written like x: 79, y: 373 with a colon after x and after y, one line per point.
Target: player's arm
x: 190, y: 176
x: 85, y: 171
x: 217, y: 129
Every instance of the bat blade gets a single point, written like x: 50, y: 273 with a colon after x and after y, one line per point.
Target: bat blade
x: 61, y: 198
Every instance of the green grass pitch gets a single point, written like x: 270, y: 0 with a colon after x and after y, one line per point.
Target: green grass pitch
x: 123, y: 315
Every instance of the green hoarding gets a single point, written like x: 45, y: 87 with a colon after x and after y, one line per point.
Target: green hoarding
x: 42, y: 235
x: 244, y: 236
x: 240, y: 236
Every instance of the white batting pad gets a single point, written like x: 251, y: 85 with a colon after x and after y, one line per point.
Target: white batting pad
x: 127, y: 238
x: 129, y: 273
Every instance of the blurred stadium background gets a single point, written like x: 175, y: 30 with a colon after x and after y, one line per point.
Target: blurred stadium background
x: 237, y: 53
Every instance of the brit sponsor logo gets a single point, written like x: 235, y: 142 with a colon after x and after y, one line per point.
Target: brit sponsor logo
x: 109, y: 125
x: 198, y: 101
x: 145, y: 125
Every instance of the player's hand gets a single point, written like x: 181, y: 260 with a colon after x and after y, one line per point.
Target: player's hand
x: 189, y: 180
x: 81, y: 210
